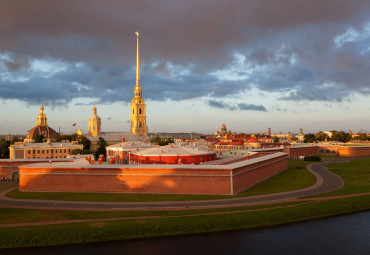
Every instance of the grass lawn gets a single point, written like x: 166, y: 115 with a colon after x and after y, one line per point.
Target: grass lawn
x: 139, y: 228
x: 355, y: 174
x: 295, y: 177
x: 15, y: 215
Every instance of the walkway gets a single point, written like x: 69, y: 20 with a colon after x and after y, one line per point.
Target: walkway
x: 326, y: 182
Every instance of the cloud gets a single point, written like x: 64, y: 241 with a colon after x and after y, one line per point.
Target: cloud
x: 87, y: 49
x: 241, y: 106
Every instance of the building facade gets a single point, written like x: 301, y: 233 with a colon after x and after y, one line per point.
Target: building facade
x: 46, y: 150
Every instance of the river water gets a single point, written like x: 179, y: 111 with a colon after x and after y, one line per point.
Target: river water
x: 348, y: 234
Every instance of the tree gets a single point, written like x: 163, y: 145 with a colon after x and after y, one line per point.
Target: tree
x: 84, y: 141
x: 309, y: 138
x: 276, y: 139
x: 362, y: 137
x: 76, y: 152
x: 14, y: 140
x: 341, y: 136
x: 72, y: 137
x: 4, y: 148
x: 101, y: 150
x: 38, y: 138
x: 79, y: 151
x: 161, y: 142
x: 321, y: 136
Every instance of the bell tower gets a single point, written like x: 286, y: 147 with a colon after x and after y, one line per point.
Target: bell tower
x: 94, y: 124
x: 138, y: 106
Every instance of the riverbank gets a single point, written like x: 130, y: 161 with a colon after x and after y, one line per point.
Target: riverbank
x: 140, y: 224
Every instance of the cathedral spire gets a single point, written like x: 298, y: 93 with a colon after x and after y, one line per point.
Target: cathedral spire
x: 137, y: 59
x: 138, y: 115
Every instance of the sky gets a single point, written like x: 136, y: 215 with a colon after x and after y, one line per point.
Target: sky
x: 286, y: 64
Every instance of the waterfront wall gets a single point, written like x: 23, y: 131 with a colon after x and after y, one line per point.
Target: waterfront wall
x: 166, y: 179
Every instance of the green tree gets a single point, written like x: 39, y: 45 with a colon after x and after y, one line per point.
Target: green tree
x: 14, y: 140
x: 276, y: 139
x: 362, y: 137
x: 38, y: 138
x: 341, y: 136
x: 84, y: 141
x: 309, y: 138
x: 321, y: 136
x: 161, y: 142
x: 4, y: 148
x: 101, y: 150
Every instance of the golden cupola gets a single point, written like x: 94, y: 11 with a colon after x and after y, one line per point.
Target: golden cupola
x: 41, y: 118
x: 41, y: 128
x: 94, y: 124
x: 138, y: 106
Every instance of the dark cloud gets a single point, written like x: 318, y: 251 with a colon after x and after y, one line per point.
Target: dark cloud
x: 241, y: 107
x: 288, y: 46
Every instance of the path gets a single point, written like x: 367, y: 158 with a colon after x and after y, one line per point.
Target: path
x: 326, y: 182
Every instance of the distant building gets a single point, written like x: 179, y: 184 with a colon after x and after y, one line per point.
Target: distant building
x: 41, y: 128
x: 46, y: 150
x: 121, y: 151
x: 94, y: 124
x: 173, y: 154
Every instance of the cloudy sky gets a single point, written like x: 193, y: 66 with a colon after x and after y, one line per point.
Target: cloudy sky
x: 285, y: 64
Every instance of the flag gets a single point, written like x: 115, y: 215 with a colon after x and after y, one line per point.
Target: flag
x: 74, y: 124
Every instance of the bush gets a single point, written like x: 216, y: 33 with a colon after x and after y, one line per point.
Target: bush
x: 312, y: 158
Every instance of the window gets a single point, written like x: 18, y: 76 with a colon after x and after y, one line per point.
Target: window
x: 52, y: 151
x: 33, y: 151
x: 65, y: 150
x: 133, y: 111
x: 42, y: 151
x: 29, y: 152
x: 140, y: 125
x: 139, y: 111
x: 94, y: 127
x: 38, y: 151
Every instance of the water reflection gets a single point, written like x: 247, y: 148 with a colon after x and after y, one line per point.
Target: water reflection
x: 349, y: 234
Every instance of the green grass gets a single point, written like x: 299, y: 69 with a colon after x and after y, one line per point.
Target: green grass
x: 15, y: 215
x: 133, y: 228
x: 295, y: 177
x: 355, y: 174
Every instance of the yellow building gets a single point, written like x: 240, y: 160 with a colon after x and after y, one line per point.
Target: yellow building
x: 42, y: 150
x: 41, y: 128
x: 138, y: 113
x: 94, y: 124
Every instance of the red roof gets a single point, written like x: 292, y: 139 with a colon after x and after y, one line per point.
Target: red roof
x: 252, y: 140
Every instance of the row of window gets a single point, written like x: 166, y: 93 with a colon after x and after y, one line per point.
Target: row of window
x: 45, y: 157
x: 47, y: 151
x: 133, y: 111
x: 91, y: 128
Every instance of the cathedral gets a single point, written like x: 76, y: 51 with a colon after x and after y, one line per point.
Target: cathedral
x: 41, y: 128
x: 138, y: 113
x: 138, y: 128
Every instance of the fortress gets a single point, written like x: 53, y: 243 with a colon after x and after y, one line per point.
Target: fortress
x: 145, y: 168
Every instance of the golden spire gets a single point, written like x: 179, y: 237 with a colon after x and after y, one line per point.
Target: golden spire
x: 137, y: 59
x: 41, y: 108
x: 41, y: 118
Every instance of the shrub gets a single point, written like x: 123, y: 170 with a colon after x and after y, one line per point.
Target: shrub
x: 312, y: 158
